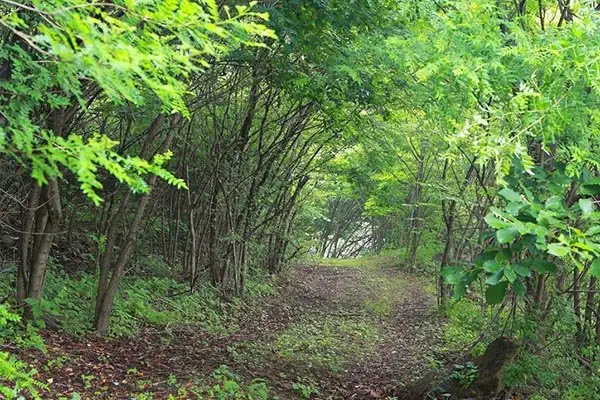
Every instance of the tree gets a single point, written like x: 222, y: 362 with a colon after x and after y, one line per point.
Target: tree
x: 60, y: 59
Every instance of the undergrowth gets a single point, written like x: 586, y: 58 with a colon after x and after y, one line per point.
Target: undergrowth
x: 16, y: 377
x: 227, y: 385
x: 541, y: 371
x: 314, y: 344
x: 68, y: 304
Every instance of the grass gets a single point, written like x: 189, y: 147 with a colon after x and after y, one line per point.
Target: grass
x: 380, y: 290
x: 327, y: 343
x: 69, y: 302
x: 321, y: 344
x: 367, y: 262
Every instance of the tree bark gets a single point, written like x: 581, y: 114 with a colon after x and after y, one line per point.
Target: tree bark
x: 111, y: 271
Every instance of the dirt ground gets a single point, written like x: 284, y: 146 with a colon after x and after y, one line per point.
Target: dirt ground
x: 356, y: 331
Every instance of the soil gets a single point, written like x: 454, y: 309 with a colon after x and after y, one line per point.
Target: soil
x: 100, y: 368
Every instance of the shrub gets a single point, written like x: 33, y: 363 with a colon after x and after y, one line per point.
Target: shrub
x: 143, y: 301
x: 15, y: 377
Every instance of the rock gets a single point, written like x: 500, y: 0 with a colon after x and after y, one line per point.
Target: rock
x: 486, y: 385
x: 490, y: 368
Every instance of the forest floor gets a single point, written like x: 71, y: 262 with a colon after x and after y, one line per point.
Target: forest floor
x: 348, y: 330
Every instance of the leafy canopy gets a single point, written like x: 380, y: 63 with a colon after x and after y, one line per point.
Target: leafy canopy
x: 64, y: 54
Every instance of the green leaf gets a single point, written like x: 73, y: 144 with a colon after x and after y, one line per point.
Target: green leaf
x: 495, y: 222
x: 586, y: 205
x: 518, y: 288
x: 495, y: 294
x: 510, y: 274
x: 595, y: 268
x: 495, y: 278
x: 452, y: 275
x: 514, y: 208
x: 543, y: 266
x: 594, y: 230
x: 590, y: 189
x: 522, y: 270
x: 555, y: 203
x: 492, y: 266
x: 503, y: 255
x: 507, y: 235
x: 459, y: 290
x: 487, y: 255
x: 559, y: 250
x: 510, y: 195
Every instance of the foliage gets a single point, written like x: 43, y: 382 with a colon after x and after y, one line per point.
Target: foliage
x: 313, y: 345
x: 230, y: 386
x: 464, y: 322
x: 465, y: 373
x: 531, y: 230
x: 327, y: 343
x: 144, y: 301
x: 129, y: 51
x: 552, y: 374
x: 457, y: 139
x: 16, y: 376
x: 305, y: 388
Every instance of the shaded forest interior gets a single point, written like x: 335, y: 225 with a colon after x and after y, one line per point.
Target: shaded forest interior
x: 299, y: 199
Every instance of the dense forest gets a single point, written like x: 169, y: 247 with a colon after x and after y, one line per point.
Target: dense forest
x: 302, y: 199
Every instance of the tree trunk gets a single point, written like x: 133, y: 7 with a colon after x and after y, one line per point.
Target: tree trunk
x: 52, y: 215
x: 111, y: 271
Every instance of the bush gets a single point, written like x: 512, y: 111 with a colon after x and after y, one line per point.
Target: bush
x: 226, y: 384
x: 143, y: 301
x: 15, y: 377
x: 463, y: 327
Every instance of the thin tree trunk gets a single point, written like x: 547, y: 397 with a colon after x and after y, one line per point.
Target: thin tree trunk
x: 28, y: 219
x: 53, y: 212
x: 112, y: 272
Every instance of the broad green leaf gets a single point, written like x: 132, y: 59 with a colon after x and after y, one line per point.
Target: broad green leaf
x: 492, y: 266
x: 510, y: 274
x: 559, y: 250
x: 487, y: 255
x: 518, y: 288
x: 510, y: 195
x: 452, y: 275
x: 555, y: 203
x: 586, y: 205
x: 522, y: 270
x: 543, y: 266
x: 595, y: 268
x: 507, y: 235
x: 503, y: 255
x: 495, y: 222
x: 459, y: 290
x: 514, y: 208
x: 494, y: 278
x: 590, y: 189
x: 594, y: 230
x: 495, y: 294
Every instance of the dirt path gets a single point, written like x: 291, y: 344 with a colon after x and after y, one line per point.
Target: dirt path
x: 332, y: 332
x: 394, y: 349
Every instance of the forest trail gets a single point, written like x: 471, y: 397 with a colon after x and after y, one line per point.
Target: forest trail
x: 350, y: 330
x: 357, y: 330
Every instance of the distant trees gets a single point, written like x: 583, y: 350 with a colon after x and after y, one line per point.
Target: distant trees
x: 483, y: 160
x: 508, y: 102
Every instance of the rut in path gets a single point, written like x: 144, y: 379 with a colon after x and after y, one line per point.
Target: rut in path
x: 338, y: 332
